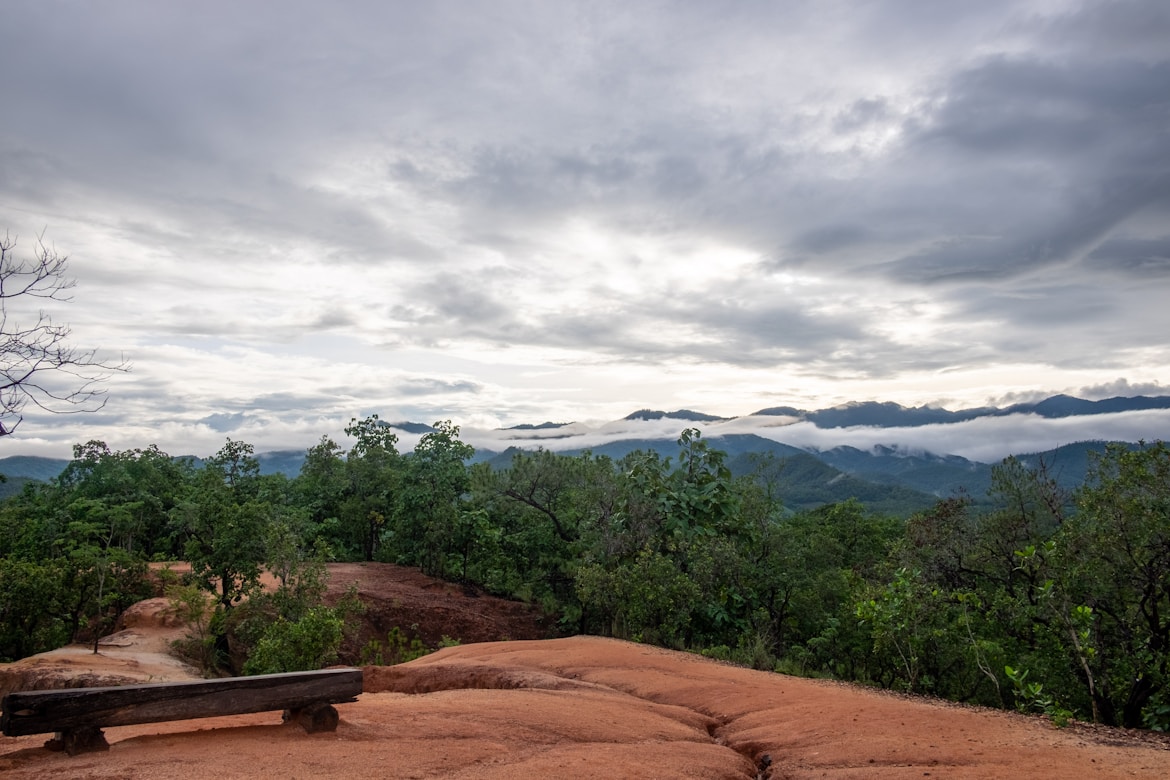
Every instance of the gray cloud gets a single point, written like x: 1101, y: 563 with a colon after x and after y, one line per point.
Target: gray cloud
x: 1067, y: 152
x: 1141, y: 257
x: 424, y: 387
x: 1122, y: 388
x: 407, y: 206
x: 829, y: 238
x: 224, y: 423
x: 289, y: 402
x: 1139, y: 29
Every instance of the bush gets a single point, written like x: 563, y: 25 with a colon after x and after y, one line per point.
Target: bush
x: 307, y: 644
x: 192, y: 605
x: 398, y: 649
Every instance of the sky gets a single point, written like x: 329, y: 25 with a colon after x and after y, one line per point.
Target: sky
x: 285, y: 215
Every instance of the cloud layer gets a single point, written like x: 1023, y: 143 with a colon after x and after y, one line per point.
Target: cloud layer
x: 290, y: 214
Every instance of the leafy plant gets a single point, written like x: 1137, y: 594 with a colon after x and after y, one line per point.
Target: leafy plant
x: 1156, y: 716
x: 310, y: 643
x: 193, y: 607
x: 397, y: 649
x: 1030, y: 697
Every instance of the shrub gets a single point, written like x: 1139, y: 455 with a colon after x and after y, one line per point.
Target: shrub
x: 309, y: 643
x: 192, y: 605
x: 398, y: 649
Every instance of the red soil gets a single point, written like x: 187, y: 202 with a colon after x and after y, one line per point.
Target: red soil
x: 582, y: 707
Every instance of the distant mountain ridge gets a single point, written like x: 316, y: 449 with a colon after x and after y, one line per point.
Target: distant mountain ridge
x: 681, y: 414
x: 879, y: 414
x: 887, y: 414
x: 885, y: 477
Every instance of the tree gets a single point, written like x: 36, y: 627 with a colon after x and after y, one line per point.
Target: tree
x: 547, y: 509
x: 320, y: 489
x: 683, y: 518
x: 1117, y: 616
x: 373, y: 473
x: 37, y: 363
x: 225, y: 522
x: 429, y: 525
x: 31, y: 598
x: 144, y: 485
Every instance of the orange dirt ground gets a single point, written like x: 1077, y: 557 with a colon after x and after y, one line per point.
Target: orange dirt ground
x: 582, y: 707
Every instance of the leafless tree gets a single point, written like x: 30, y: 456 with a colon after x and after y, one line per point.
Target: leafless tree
x: 37, y: 363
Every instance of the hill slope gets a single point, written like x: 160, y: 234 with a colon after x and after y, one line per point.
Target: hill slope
x: 587, y: 707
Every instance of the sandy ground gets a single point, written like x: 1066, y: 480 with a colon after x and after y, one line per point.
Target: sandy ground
x: 582, y: 707
x: 140, y: 652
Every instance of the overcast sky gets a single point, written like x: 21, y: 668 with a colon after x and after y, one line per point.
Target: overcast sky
x: 288, y: 214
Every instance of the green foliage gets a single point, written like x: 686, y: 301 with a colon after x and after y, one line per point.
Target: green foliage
x: 312, y: 642
x: 1031, y: 697
x: 543, y: 513
x: 1115, y: 559
x: 1029, y: 597
x: 275, y: 619
x: 237, y: 524
x: 319, y: 491
x: 1156, y: 715
x: 82, y: 541
x: 751, y: 650
x: 194, y: 608
x: 289, y: 629
x: 140, y: 488
x: 667, y: 508
x: 224, y: 520
x: 373, y: 479
x: 903, y: 619
x: 31, y: 600
x: 431, y: 529
x: 398, y: 648
x: 646, y: 599
x: 73, y: 552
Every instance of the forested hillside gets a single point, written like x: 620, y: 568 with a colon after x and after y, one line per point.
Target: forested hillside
x: 1038, y: 597
x: 883, y: 478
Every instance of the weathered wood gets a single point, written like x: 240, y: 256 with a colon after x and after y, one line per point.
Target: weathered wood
x: 76, y: 709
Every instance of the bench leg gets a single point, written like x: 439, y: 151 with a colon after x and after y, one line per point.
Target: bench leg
x: 75, y: 741
x: 315, y: 717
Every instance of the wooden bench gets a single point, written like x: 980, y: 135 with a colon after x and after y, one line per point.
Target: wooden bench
x: 77, y: 715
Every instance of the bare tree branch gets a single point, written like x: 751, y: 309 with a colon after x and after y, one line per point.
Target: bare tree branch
x: 35, y: 356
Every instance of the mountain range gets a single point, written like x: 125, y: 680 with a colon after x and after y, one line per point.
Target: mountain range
x: 886, y: 477
x: 891, y: 415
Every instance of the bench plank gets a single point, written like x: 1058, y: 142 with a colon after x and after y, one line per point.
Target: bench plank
x: 39, y: 712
